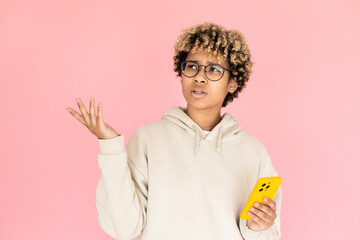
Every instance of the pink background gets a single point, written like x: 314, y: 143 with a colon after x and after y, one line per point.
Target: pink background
x: 302, y: 102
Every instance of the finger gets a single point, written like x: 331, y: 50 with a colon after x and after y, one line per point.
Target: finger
x: 264, y: 211
x: 77, y: 115
x: 260, y: 214
x: 255, y: 217
x: 92, y: 111
x: 83, y: 111
x: 251, y: 223
x: 99, y: 113
x: 271, y: 203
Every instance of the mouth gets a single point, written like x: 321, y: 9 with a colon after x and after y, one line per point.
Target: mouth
x: 198, y: 93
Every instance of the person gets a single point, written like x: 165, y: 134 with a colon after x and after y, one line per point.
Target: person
x: 189, y: 174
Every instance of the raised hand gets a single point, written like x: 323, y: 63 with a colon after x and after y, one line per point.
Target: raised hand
x: 94, y: 122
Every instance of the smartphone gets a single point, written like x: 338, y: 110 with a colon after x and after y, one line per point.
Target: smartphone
x: 264, y: 187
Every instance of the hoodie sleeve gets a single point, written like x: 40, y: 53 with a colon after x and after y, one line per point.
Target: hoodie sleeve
x: 121, y: 193
x: 266, y: 169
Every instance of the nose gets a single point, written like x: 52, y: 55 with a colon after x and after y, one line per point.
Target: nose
x: 200, y: 76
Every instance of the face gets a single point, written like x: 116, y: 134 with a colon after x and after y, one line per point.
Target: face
x: 215, y: 91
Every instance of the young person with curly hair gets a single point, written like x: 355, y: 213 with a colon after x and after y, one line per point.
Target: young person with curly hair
x: 188, y: 175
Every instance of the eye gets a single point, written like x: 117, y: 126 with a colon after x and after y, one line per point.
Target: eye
x: 213, y: 69
x: 189, y: 65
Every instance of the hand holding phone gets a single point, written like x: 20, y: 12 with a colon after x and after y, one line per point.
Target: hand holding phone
x: 264, y: 187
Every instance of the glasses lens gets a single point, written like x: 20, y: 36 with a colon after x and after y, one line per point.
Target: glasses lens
x: 214, y: 72
x: 189, y: 68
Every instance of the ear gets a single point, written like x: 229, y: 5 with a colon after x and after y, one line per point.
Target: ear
x: 232, y: 86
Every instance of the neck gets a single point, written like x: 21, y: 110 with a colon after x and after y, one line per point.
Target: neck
x: 206, y: 119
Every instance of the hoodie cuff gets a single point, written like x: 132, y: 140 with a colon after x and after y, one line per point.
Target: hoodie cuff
x: 112, y: 145
x: 246, y: 232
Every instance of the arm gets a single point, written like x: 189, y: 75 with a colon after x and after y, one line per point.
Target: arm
x: 121, y: 193
x: 266, y: 169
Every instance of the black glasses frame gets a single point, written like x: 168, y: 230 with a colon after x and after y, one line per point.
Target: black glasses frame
x: 205, y: 67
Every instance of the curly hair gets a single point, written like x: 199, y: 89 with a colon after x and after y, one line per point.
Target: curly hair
x: 230, y: 44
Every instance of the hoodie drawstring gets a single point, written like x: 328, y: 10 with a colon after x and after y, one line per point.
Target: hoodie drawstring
x: 219, y: 145
x: 218, y: 142
x: 197, y: 140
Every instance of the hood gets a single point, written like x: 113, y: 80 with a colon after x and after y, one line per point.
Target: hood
x: 226, y: 130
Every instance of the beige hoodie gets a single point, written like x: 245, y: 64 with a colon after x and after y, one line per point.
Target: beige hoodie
x: 174, y: 182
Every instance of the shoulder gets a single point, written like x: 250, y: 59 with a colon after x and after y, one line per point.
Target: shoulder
x: 251, y: 142
x: 152, y: 128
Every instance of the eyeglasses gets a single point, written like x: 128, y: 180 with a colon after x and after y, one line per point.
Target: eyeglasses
x: 213, y: 72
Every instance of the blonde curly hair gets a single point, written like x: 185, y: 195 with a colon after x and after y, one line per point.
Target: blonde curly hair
x: 228, y: 45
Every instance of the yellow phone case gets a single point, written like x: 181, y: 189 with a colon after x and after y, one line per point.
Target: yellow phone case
x: 264, y: 187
